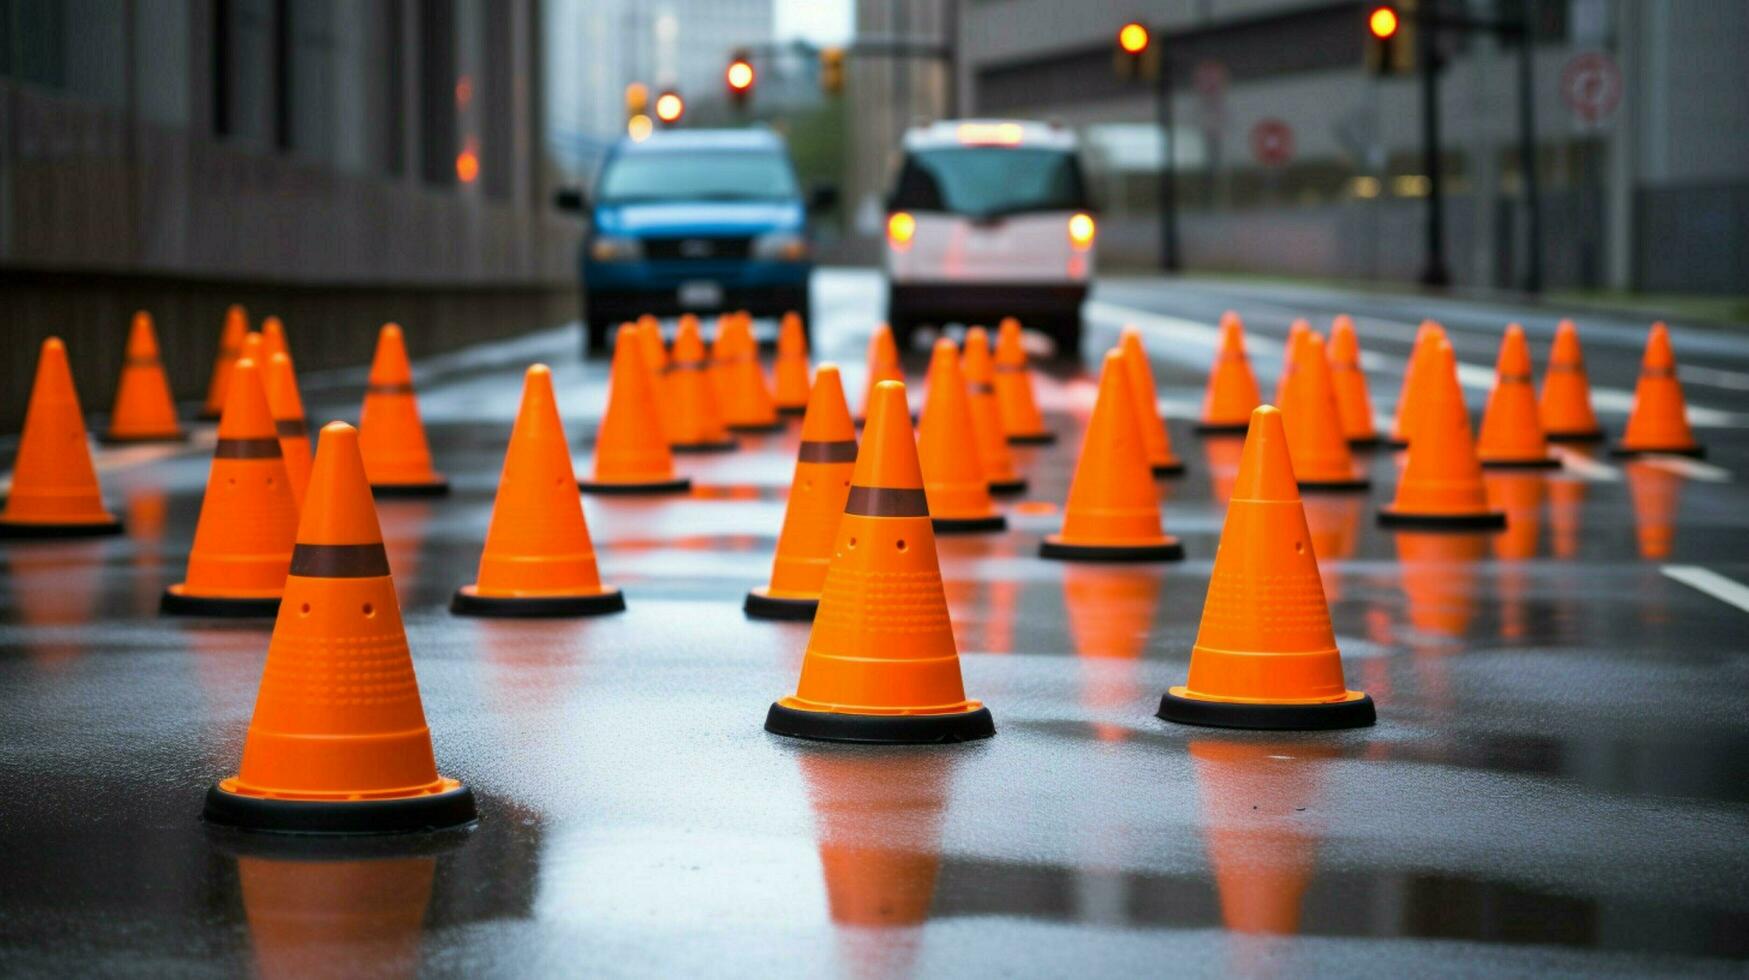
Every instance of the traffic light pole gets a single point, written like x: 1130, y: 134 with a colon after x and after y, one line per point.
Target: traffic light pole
x: 1533, y: 266
x: 1169, y: 261
x: 1436, y: 272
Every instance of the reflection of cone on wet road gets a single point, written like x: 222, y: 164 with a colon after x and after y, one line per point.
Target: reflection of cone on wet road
x: 959, y: 492
x: 1519, y: 495
x: 993, y: 451
x: 792, y: 366
x: 691, y: 418
x: 1021, y: 420
x: 816, y: 502
x: 631, y: 452
x: 313, y: 762
x: 1265, y: 655
x: 1441, y: 486
x: 390, y: 433
x: 230, y: 348
x: 1155, y: 441
x: 1659, y: 420
x: 1232, y: 389
x: 1257, y: 799
x: 1565, y: 406
x: 1655, y: 493
x: 1322, y: 460
x: 143, y: 409
x: 314, y: 918
x: 1438, y: 573
x: 1566, y: 506
x: 289, y: 422
x: 1113, y: 511
x: 538, y: 559
x: 1512, y: 428
x: 1414, y: 382
x: 881, y: 663
x: 1221, y: 458
x: 1349, y: 378
x: 882, y: 364
x: 54, y: 491
x: 1334, y: 520
x: 248, y: 517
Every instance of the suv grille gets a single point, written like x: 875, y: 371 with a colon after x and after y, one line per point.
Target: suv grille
x: 697, y: 248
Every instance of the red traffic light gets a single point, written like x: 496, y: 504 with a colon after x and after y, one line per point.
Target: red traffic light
x: 1382, y: 22
x: 1132, y: 38
x: 739, y: 75
x: 670, y: 107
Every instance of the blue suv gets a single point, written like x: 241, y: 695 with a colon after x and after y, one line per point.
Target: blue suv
x: 696, y: 221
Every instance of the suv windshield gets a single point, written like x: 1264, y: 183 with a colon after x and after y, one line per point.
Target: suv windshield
x: 989, y: 180
x: 730, y: 175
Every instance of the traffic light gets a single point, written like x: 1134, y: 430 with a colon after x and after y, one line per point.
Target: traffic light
x: 1390, y: 39
x: 1135, y: 56
x: 832, y: 71
x: 670, y: 107
x: 739, y: 78
x: 637, y: 100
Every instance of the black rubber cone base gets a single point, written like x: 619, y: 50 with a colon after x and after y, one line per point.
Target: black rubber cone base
x: 1364, y: 442
x: 969, y: 525
x: 465, y: 603
x: 1335, y: 486
x: 1032, y: 439
x: 792, y: 411
x: 415, y: 814
x: 1692, y: 452
x: 680, y: 484
x: 1268, y: 717
x: 25, y: 531
x: 1594, y: 435
x: 759, y: 605
x: 174, y: 603
x: 1008, y: 488
x: 1222, y: 428
x: 1540, y: 463
x: 722, y: 446
x: 822, y: 726
x: 1491, y: 520
x: 1168, y: 469
x: 758, y: 428
x: 1170, y: 549
x: 400, y: 490
x: 164, y: 440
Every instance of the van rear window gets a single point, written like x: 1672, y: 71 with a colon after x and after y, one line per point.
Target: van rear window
x: 982, y: 181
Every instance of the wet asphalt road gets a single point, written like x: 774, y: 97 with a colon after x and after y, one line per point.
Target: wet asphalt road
x: 1558, y: 783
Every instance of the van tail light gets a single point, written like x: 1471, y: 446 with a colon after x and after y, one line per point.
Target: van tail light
x: 1081, y: 231
x: 901, y: 227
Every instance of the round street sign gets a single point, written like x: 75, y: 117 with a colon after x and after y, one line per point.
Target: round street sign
x: 1591, y: 86
x: 1272, y: 142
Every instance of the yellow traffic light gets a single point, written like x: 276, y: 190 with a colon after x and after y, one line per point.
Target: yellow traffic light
x: 832, y: 70
x: 1132, y: 38
x: 637, y: 99
x: 739, y: 76
x: 1382, y: 22
x: 670, y: 107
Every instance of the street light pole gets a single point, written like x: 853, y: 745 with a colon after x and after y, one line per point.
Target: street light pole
x: 1533, y: 270
x: 1436, y: 272
x: 1169, y: 260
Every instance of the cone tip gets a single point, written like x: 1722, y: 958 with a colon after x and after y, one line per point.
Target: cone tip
x: 1265, y: 466
x: 537, y: 371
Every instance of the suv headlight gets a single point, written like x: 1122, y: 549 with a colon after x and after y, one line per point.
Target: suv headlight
x: 615, y: 248
x: 786, y: 246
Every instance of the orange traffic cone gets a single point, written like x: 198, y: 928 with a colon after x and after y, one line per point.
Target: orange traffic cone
x: 1288, y: 351
x: 248, y: 517
x: 390, y: 434
x: 1156, y: 443
x: 691, y: 418
x: 315, y: 762
x: 748, y: 405
x: 289, y: 422
x: 993, y: 452
x: 143, y: 410
x: 1408, y: 399
x: 1441, y: 485
x: 1113, y: 513
x: 881, y: 664
x: 959, y: 493
x: 1565, y: 405
x: 538, y: 559
x: 1350, y: 380
x: 273, y: 335
x: 631, y: 454
x: 230, y: 348
x: 883, y: 364
x: 1314, y: 422
x: 1021, y: 420
x: 1265, y: 656
x: 792, y: 365
x: 1659, y: 420
x: 1512, y: 431
x: 655, y: 350
x: 54, y: 485
x: 816, y: 501
x: 1232, y: 390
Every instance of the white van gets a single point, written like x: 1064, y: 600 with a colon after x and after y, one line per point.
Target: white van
x: 989, y: 218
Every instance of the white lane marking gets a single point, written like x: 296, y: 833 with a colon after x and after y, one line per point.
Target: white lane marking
x: 1694, y: 469
x: 1715, y: 377
x: 1712, y: 583
x: 1585, y: 467
x: 1479, y: 377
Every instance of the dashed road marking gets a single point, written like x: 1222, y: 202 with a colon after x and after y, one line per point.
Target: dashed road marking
x: 1694, y: 469
x: 1586, y: 467
x: 1706, y: 580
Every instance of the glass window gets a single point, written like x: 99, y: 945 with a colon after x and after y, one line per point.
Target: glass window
x: 987, y: 180
x: 697, y: 176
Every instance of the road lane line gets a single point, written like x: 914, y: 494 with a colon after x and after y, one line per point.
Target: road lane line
x: 1712, y: 583
x: 1585, y: 467
x: 1694, y: 469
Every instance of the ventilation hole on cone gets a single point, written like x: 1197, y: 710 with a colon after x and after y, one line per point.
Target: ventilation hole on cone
x: 231, y: 481
x: 370, y: 610
x: 853, y: 542
x: 807, y: 484
x: 304, y: 609
x: 270, y: 481
x: 1300, y: 547
x: 901, y: 544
